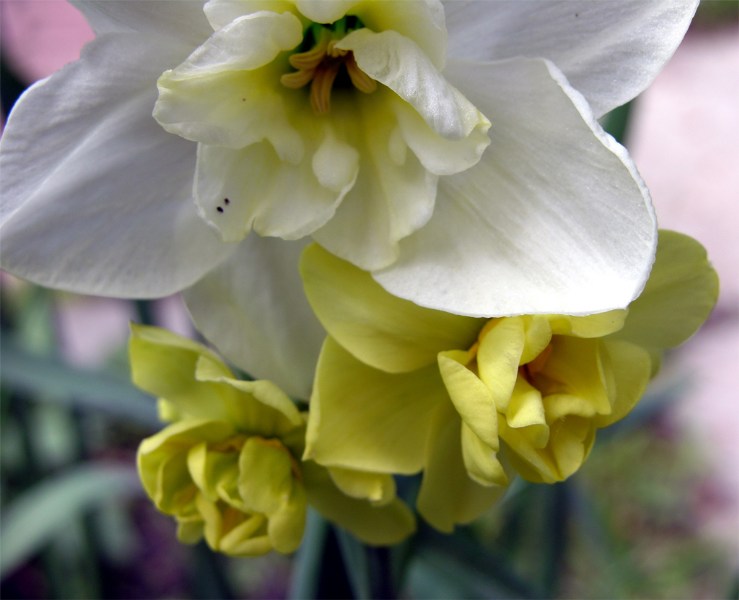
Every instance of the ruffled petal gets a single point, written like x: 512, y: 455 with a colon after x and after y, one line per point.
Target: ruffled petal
x: 381, y: 330
x: 554, y: 219
x: 73, y: 144
x: 394, y: 194
x: 610, y: 50
x: 221, y: 95
x: 397, y: 62
x: 365, y: 419
x: 240, y: 190
x: 253, y: 309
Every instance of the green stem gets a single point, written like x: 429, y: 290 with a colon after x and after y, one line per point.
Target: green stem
x: 307, y: 565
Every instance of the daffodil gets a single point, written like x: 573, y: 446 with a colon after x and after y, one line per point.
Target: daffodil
x: 400, y: 388
x: 362, y: 124
x: 228, y: 465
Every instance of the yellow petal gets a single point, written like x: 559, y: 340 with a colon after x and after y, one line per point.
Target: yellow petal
x: 680, y: 294
x: 381, y: 330
x: 369, y: 420
x: 378, y: 488
x: 471, y: 398
x: 448, y: 496
x: 499, y: 356
x: 629, y: 366
x: 480, y: 460
x: 377, y: 525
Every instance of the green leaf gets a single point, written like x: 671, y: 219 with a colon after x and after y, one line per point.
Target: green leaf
x: 39, y: 513
x: 49, y: 378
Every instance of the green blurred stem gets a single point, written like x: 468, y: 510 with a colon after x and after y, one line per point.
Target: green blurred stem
x: 307, y: 565
x: 556, y: 539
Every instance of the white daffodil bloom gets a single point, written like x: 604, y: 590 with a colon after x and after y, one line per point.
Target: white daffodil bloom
x: 365, y: 125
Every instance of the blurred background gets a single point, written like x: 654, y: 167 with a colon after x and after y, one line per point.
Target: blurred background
x: 654, y: 513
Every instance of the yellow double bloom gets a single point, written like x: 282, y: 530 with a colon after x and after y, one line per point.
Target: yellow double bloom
x: 400, y: 388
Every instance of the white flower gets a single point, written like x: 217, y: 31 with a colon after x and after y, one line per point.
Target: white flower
x: 383, y: 169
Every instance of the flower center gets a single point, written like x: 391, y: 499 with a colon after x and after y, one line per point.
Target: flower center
x: 322, y: 63
x: 531, y: 370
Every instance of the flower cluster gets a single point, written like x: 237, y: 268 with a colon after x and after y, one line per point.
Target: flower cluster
x: 474, y: 244
x: 228, y: 468
x: 400, y: 388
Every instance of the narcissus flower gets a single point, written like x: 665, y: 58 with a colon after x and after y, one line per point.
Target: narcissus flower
x: 360, y: 123
x: 228, y: 468
x: 400, y: 388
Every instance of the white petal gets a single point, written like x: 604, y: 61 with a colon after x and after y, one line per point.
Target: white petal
x: 237, y: 190
x: 610, y: 50
x: 397, y: 62
x: 97, y: 198
x: 554, y: 219
x: 181, y: 21
x: 253, y: 309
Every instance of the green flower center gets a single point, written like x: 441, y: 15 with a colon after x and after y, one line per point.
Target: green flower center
x: 321, y: 64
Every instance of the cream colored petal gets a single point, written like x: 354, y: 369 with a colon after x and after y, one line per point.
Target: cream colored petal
x: 394, y: 194
x: 440, y: 155
x: 397, y: 62
x: 247, y: 43
x: 252, y: 188
x: 422, y: 21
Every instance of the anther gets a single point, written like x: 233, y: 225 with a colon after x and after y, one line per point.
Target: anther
x: 320, y: 91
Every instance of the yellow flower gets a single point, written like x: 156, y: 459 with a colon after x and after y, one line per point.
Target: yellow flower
x: 228, y: 468
x: 400, y: 388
